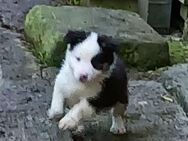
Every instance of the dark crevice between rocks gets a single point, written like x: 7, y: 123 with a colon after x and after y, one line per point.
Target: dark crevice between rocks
x: 1, y: 21
x: 2, y: 133
x: 9, y: 27
x: 4, y: 25
x: 182, y: 102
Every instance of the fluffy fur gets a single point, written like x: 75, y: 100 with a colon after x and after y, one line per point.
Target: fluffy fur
x: 92, y: 78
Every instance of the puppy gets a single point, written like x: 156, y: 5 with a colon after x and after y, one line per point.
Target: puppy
x: 92, y: 78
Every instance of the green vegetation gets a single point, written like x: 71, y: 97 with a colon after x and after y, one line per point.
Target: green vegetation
x: 178, y: 52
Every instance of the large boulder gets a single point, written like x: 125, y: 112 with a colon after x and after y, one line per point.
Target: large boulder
x: 140, y: 45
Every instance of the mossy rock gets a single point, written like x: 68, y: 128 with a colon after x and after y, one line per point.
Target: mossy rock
x: 140, y: 45
x: 178, y: 52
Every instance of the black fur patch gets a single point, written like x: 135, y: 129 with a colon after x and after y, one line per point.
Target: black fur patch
x: 114, y: 89
x: 75, y: 37
x: 107, y: 44
x: 102, y: 61
x: 105, y: 58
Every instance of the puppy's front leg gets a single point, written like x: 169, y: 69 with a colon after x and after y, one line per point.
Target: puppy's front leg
x: 57, y: 103
x: 79, y: 111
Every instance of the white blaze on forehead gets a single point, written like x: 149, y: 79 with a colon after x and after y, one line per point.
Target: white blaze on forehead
x: 89, y: 47
x: 85, y: 51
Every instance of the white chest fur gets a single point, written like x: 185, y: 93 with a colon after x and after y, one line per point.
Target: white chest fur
x: 81, y: 92
x: 72, y: 90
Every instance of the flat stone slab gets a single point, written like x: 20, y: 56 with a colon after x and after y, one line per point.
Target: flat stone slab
x: 45, y: 27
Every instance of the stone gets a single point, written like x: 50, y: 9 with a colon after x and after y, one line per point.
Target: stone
x: 15, y: 62
x: 49, y: 74
x: 175, y: 81
x: 140, y: 45
x: 184, y: 11
x: 185, y: 31
x: 185, y: 2
x: 12, y: 12
x: 1, y: 76
x: 143, y: 8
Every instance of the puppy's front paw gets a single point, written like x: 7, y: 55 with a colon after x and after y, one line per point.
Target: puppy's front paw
x: 67, y: 123
x: 54, y: 113
x: 118, y: 130
x: 118, y: 126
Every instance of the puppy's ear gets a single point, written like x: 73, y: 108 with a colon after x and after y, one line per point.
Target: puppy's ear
x: 107, y: 44
x: 74, y: 37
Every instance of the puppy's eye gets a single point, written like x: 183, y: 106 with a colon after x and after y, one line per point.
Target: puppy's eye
x: 78, y: 58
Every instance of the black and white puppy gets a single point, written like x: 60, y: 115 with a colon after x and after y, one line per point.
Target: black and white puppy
x: 92, y: 78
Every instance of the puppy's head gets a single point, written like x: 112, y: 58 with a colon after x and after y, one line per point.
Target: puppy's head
x: 88, y: 54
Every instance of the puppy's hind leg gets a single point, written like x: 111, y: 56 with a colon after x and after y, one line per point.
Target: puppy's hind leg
x: 118, y: 126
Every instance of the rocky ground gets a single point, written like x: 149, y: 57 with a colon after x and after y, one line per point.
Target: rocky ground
x: 158, y: 100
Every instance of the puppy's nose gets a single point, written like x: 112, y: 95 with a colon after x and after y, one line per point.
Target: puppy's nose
x: 83, y: 77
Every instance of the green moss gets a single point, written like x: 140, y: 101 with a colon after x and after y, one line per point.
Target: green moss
x: 178, y: 52
x: 143, y: 55
x: 47, y: 42
x: 127, y: 53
